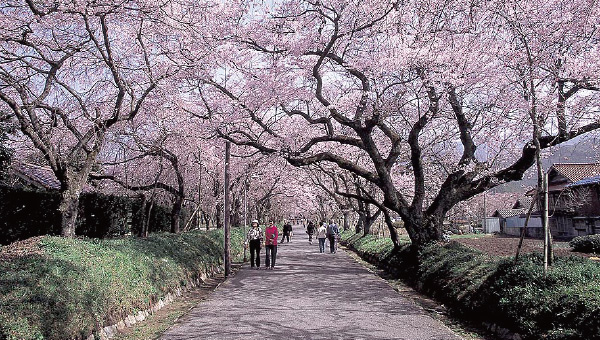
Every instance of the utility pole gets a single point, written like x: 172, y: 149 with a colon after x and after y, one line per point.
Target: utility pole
x: 545, y: 223
x: 227, y: 252
x: 484, y: 213
x: 246, y: 185
x: 200, y: 189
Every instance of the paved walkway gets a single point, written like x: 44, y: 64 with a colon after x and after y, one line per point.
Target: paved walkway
x: 308, y: 296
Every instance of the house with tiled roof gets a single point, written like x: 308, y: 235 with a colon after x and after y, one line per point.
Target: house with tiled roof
x: 32, y: 176
x: 523, y: 202
x: 512, y: 220
x: 505, y: 213
x: 574, y: 204
x: 560, y: 175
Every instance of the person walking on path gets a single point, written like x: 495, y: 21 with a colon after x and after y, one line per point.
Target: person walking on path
x: 287, y: 232
x: 333, y: 233
x: 321, y: 236
x: 271, y: 235
x: 254, y: 240
x: 310, y: 230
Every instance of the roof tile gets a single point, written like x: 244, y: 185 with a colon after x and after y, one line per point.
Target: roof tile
x: 577, y: 171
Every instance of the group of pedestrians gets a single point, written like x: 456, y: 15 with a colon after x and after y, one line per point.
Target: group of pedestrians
x: 325, y: 232
x: 256, y: 238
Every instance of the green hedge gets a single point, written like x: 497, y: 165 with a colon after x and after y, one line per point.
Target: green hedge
x: 75, y: 286
x: 102, y: 215
x: 160, y: 218
x: 27, y: 213
x: 586, y: 244
x: 564, y: 305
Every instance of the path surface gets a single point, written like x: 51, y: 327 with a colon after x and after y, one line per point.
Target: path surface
x: 308, y: 296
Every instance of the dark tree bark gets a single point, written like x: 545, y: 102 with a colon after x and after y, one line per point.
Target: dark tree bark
x: 176, y: 215
x: 219, y: 215
x: 360, y: 223
x: 391, y: 227
x: 346, y: 213
x: 206, y: 218
x: 69, y: 208
x: 143, y: 232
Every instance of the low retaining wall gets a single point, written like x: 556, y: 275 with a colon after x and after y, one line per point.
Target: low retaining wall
x: 110, y: 331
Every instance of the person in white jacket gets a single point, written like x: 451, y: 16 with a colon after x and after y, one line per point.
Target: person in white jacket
x: 322, y: 236
x: 254, y: 239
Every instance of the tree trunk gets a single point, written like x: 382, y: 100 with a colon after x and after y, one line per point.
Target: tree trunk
x: 236, y: 213
x: 368, y: 220
x: 371, y: 219
x: 219, y: 215
x: 69, y: 208
x: 149, y: 215
x: 346, y: 220
x: 391, y: 227
x: 361, y: 222
x: 206, y: 218
x: 366, y: 227
x: 176, y: 215
x: 143, y: 216
x: 424, y: 231
x: 69, y: 201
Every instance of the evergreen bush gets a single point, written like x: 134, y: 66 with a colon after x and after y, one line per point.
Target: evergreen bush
x: 28, y: 213
x: 586, y: 244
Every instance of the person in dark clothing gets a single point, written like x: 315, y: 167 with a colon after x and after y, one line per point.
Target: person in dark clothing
x: 287, y: 232
x: 254, y: 239
x: 333, y: 233
x: 310, y: 230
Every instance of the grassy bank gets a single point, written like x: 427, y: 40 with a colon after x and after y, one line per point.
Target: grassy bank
x: 69, y: 288
x: 492, y: 290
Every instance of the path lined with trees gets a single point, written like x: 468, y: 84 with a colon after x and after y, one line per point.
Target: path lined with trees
x: 308, y: 296
x: 397, y: 122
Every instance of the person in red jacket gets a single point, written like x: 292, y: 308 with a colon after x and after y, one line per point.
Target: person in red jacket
x: 271, y: 235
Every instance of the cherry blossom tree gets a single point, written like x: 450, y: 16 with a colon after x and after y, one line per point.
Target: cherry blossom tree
x: 169, y: 178
x: 70, y: 71
x: 434, y: 96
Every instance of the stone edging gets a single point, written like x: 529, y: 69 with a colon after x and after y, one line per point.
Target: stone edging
x: 110, y: 331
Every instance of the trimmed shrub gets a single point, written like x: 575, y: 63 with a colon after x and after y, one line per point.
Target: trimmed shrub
x: 27, y: 213
x: 103, y: 215
x: 586, y: 244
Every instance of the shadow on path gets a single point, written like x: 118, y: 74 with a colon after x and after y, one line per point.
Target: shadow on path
x: 308, y: 296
